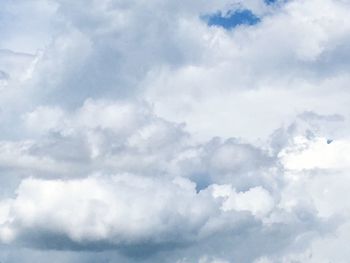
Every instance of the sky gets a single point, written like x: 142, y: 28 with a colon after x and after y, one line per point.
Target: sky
x: 166, y: 131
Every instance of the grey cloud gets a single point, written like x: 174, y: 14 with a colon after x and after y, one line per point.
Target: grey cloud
x: 140, y: 134
x: 222, y: 199
x: 4, y: 75
x: 309, y: 115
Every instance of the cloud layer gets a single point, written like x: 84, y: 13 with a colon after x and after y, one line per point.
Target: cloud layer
x: 139, y: 131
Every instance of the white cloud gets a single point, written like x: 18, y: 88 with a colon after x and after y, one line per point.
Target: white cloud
x: 257, y: 200
x: 134, y: 128
x: 122, y: 210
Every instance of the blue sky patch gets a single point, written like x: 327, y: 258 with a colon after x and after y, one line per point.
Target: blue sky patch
x: 232, y: 19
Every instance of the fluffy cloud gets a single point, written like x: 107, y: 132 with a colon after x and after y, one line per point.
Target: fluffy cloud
x: 134, y: 131
x: 130, y: 179
x: 120, y: 210
x: 124, y: 210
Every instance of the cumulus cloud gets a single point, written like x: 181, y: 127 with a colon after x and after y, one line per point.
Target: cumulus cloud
x: 123, y: 210
x: 136, y: 131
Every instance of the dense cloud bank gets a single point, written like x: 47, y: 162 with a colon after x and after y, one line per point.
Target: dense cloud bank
x: 139, y: 131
